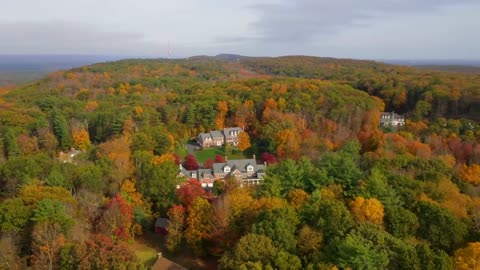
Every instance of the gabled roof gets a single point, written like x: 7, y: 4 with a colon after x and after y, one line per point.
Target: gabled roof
x: 240, y: 164
x: 227, y: 131
x: 216, y: 134
x: 391, y: 115
x: 161, y: 222
x: 188, y: 173
x: 165, y: 264
x: 203, y: 136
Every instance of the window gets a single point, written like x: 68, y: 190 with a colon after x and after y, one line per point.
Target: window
x: 226, y: 169
x: 249, y: 168
x: 194, y: 175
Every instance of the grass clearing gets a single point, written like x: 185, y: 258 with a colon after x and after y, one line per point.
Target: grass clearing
x: 145, y: 254
x: 207, y: 153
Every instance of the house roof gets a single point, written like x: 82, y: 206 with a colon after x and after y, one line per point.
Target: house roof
x: 203, y: 136
x: 227, y: 131
x: 240, y: 164
x: 204, y: 172
x: 216, y: 134
x: 165, y: 264
x: 391, y: 115
x: 161, y: 222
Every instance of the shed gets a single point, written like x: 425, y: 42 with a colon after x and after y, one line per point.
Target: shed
x: 161, y: 225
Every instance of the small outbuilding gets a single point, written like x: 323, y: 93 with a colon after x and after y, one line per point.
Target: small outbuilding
x: 161, y: 225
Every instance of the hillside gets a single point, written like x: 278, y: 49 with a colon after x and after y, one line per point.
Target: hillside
x: 338, y: 189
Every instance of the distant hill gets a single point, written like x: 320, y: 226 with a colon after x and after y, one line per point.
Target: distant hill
x: 16, y: 69
x: 448, y: 68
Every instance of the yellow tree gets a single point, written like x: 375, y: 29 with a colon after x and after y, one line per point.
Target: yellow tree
x: 470, y: 174
x: 243, y: 141
x: 288, y: 143
x: 364, y: 210
x: 222, y: 108
x: 81, y: 139
x: 199, y: 224
x: 297, y: 197
x: 468, y: 257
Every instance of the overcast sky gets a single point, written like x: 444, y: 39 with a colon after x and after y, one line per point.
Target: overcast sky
x: 366, y: 29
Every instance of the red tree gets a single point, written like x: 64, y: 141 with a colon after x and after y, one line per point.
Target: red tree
x: 188, y: 192
x: 219, y: 159
x: 190, y: 162
x: 177, y: 159
x: 208, y: 164
x: 268, y: 158
x: 117, y: 220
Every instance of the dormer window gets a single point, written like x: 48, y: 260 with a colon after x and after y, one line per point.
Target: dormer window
x: 194, y: 175
x: 249, y: 168
x: 226, y: 169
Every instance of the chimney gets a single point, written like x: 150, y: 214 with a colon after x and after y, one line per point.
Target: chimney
x: 265, y: 163
x: 254, y: 158
x: 226, y: 158
x: 159, y: 255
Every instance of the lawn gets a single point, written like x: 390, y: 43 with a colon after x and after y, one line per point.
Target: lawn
x: 145, y: 254
x: 207, y: 153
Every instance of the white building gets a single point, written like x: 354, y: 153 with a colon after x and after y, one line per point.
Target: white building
x: 391, y: 119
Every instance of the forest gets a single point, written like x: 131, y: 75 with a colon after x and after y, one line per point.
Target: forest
x: 340, y: 192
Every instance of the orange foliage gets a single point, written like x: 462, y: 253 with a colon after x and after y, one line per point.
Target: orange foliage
x: 27, y: 144
x: 279, y: 89
x: 470, y: 174
x: 157, y: 160
x: 138, y: 110
x: 243, y: 141
x: 270, y: 106
x: 268, y: 203
x: 222, y: 108
x: 364, y: 210
x: 297, y: 197
x: 420, y: 149
x: 448, y: 195
x: 118, y: 151
x: 288, y: 143
x: 468, y: 258
x: 91, y: 106
x: 81, y: 139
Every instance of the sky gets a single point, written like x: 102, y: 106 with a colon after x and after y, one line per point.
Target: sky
x: 361, y: 29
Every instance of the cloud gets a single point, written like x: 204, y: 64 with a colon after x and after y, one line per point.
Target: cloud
x: 309, y: 20
x: 60, y: 37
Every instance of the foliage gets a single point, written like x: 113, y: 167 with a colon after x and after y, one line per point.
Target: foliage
x: 189, y: 191
x: 243, y: 141
x: 117, y: 219
x: 364, y: 210
x: 468, y: 257
x: 190, y: 162
x: 439, y: 226
x: 14, y: 215
x: 176, y: 225
x: 199, y: 225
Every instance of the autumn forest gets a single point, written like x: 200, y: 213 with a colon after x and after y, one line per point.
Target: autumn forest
x: 340, y: 191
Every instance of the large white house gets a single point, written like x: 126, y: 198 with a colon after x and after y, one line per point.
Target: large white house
x: 247, y: 171
x: 391, y: 119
